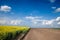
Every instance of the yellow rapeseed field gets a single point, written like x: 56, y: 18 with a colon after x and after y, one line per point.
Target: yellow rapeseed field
x: 8, y: 32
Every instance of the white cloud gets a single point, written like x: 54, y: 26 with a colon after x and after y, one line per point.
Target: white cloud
x: 58, y: 23
x: 34, y: 22
x: 7, y: 21
x: 47, y: 22
x: 58, y: 19
x: 52, y: 1
x: 2, y: 22
x: 53, y: 7
x: 29, y: 17
x: 57, y: 10
x: 38, y: 22
x: 16, y: 22
x: 32, y: 17
x: 5, y: 8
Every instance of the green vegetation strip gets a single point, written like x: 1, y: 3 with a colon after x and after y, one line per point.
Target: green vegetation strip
x: 25, y: 34
x: 57, y: 28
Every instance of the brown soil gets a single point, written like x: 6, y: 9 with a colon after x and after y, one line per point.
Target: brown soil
x: 43, y: 34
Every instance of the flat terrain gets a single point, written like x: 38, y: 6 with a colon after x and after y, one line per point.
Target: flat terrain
x: 43, y: 34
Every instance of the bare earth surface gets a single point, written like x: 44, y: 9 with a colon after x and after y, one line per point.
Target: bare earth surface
x: 43, y: 34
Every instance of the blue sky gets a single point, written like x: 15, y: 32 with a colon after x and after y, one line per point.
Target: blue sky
x: 45, y: 13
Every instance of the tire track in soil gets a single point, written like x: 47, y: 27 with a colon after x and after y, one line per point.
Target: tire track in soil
x: 42, y: 34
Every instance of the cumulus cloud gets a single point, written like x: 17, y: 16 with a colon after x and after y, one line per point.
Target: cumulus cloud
x: 58, y: 19
x: 32, y: 17
x: 43, y: 23
x: 32, y: 21
x: 47, y: 22
x: 37, y: 20
x: 52, y: 1
x: 57, y: 10
x: 54, y: 23
x: 5, y: 8
x: 16, y: 22
x: 58, y: 23
x: 7, y: 21
x: 2, y: 22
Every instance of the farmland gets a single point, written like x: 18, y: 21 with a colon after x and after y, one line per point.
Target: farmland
x: 43, y: 34
x: 10, y: 32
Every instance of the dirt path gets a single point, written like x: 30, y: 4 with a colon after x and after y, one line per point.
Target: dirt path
x: 43, y: 34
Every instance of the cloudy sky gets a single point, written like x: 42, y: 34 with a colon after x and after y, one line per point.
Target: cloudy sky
x: 32, y: 13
